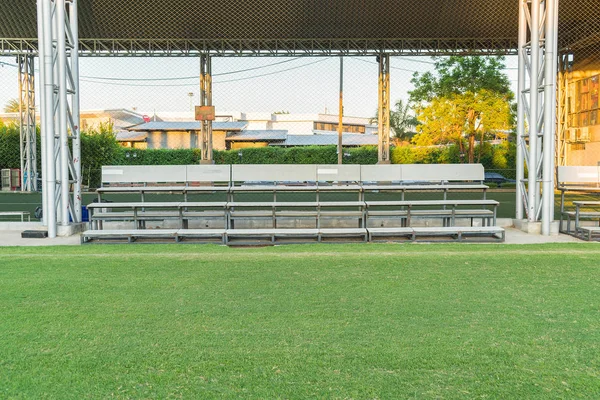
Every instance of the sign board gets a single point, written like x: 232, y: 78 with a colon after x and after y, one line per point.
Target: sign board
x: 205, y: 113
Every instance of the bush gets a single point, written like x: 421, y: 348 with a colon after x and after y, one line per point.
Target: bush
x: 100, y: 148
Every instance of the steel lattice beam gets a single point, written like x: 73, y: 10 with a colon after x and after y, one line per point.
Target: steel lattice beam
x: 28, y: 146
x: 384, y: 110
x: 538, y: 21
x: 274, y: 47
x: 59, y: 69
x: 206, y: 140
x: 565, y: 64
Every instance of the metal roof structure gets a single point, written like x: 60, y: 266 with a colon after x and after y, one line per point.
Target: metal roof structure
x: 293, y: 28
x: 187, y: 126
x: 258, y: 136
x: 349, y: 140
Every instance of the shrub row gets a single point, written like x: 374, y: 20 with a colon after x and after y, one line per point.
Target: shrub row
x: 101, y: 148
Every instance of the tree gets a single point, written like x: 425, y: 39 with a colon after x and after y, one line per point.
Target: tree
x: 12, y: 106
x: 402, y: 121
x: 469, y: 98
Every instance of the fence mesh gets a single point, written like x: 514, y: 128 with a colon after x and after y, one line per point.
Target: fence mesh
x: 284, y: 104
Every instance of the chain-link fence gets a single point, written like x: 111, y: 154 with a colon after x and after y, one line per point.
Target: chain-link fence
x: 283, y: 105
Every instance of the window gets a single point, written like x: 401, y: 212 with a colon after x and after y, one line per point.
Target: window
x: 325, y: 126
x: 584, y: 103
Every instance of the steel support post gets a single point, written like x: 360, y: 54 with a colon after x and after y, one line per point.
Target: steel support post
x: 537, y: 110
x: 45, y: 11
x: 28, y: 144
x: 74, y: 121
x: 383, y: 116
x: 206, y: 142
x: 522, y: 112
x: 549, y: 132
x: 42, y: 97
x: 57, y: 22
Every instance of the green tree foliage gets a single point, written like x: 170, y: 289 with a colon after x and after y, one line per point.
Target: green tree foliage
x: 12, y: 106
x: 467, y: 99
x: 402, y: 121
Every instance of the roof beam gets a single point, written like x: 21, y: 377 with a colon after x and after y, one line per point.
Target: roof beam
x: 273, y: 47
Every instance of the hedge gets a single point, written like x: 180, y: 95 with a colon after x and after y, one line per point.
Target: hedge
x: 101, y: 148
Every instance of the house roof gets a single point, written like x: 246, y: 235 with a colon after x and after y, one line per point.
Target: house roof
x: 187, y: 126
x: 348, y: 139
x: 127, y: 136
x: 258, y: 136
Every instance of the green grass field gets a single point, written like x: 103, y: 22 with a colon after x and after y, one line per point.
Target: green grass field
x: 314, y: 321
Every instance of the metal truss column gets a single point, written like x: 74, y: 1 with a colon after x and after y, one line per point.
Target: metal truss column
x: 537, y: 110
x: 28, y: 144
x: 562, y: 118
x: 206, y: 142
x: 57, y: 34
x: 383, y: 117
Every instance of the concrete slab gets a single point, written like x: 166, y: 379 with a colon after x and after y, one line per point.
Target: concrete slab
x: 513, y: 236
x: 13, y: 238
x: 517, y: 236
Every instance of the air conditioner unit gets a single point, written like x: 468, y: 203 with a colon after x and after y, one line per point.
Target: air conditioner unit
x: 584, y: 135
x: 578, y: 135
x: 573, y: 135
x: 11, y: 179
x: 5, y: 179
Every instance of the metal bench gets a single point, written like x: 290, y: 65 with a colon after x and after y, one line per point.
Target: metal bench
x: 21, y: 214
x: 130, y: 235
x: 165, y: 179
x: 312, y: 210
x: 590, y: 233
x: 401, y: 179
x: 274, y: 236
x: 428, y: 234
x: 205, y: 235
x: 448, y: 210
x: 138, y: 213
x: 576, y: 179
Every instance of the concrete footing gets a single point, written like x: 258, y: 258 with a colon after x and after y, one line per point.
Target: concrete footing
x: 534, y: 228
x: 70, y: 230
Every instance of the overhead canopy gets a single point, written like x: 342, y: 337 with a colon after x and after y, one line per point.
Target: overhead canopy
x: 276, y: 27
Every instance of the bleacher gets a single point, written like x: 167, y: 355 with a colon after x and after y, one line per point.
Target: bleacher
x: 581, y: 217
x: 253, y: 204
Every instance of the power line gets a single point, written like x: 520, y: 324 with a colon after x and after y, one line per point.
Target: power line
x: 192, y: 77
x: 194, y: 84
x: 373, y: 62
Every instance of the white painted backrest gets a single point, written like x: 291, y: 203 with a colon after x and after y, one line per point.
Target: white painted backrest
x: 380, y: 173
x: 143, y: 174
x: 274, y: 172
x: 208, y: 173
x: 443, y: 172
x: 579, y: 174
x: 338, y: 173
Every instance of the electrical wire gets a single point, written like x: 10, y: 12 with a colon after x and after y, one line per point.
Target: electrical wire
x: 191, y: 77
x: 214, y: 82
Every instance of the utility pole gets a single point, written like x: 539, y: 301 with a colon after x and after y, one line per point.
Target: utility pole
x: 341, y: 112
x: 191, y: 96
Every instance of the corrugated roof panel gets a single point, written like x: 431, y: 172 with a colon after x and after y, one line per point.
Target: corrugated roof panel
x: 348, y: 139
x: 258, y: 136
x: 187, y: 126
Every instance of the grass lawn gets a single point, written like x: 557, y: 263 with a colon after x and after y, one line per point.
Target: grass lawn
x: 313, y: 321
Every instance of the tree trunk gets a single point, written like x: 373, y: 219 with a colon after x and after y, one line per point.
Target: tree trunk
x: 471, y: 148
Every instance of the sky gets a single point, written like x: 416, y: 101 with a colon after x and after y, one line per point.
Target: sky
x: 267, y: 84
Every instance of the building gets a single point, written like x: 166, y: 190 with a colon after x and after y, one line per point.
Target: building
x: 236, y: 130
x: 582, y: 133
